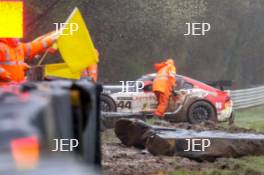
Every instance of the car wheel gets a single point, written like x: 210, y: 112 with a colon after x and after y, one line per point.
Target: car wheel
x: 107, y: 104
x: 201, y: 111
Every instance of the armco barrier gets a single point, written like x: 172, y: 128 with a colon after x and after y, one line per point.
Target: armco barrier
x: 245, y: 98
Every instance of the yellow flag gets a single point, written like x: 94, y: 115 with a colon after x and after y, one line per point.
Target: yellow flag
x: 61, y: 70
x: 77, y: 47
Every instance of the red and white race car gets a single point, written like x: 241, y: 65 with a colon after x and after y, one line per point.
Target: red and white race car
x: 192, y: 101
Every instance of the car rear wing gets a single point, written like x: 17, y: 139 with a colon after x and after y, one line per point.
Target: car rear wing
x: 220, y: 84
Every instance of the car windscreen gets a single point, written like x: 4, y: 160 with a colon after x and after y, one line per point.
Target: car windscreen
x: 146, y: 78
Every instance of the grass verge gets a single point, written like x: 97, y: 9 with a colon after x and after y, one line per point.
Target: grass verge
x: 252, y: 118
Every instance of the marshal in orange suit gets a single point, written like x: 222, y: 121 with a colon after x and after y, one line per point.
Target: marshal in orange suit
x: 13, y: 54
x: 163, y: 85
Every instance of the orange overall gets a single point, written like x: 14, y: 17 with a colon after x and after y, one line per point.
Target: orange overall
x: 13, y: 54
x: 163, y: 84
x: 92, y: 70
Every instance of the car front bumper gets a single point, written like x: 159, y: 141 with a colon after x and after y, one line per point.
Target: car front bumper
x: 225, y: 114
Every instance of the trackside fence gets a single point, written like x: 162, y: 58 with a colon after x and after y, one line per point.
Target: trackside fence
x: 245, y: 98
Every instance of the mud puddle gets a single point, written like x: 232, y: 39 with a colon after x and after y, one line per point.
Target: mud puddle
x: 119, y: 159
x: 171, y: 133
x: 204, y: 126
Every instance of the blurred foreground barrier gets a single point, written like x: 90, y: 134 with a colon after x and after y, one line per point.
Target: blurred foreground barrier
x: 49, y: 121
x: 246, y: 98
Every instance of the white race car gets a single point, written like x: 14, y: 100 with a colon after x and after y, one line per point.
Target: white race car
x: 192, y: 101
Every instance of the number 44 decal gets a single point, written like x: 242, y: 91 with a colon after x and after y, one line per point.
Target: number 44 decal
x: 124, y: 104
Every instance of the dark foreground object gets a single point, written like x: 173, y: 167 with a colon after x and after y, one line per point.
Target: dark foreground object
x: 198, y: 145
x: 50, y: 115
x: 109, y: 119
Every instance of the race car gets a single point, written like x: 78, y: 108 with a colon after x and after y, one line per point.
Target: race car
x: 192, y: 101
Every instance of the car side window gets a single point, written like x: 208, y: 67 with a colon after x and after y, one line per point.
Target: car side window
x: 187, y: 86
x: 179, y: 82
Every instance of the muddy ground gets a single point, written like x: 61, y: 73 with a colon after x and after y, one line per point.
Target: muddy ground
x: 121, y: 160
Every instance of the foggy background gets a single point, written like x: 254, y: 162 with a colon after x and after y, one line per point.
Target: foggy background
x: 132, y: 35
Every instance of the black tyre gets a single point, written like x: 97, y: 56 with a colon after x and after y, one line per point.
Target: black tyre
x: 107, y: 104
x: 201, y: 111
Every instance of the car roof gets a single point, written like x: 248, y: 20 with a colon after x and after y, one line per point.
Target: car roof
x: 199, y: 84
x: 153, y: 75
